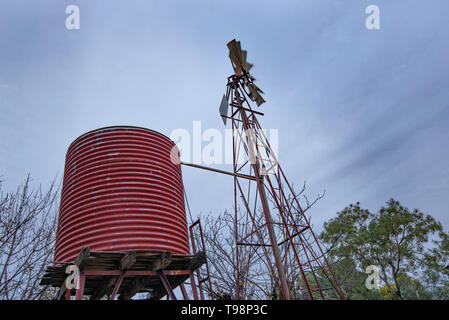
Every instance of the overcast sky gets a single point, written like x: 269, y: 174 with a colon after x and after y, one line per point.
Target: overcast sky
x: 363, y: 114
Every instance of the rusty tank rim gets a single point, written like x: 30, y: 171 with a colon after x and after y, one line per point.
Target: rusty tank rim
x: 121, y: 126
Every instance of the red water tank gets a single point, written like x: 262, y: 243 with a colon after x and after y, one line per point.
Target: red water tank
x: 121, y: 192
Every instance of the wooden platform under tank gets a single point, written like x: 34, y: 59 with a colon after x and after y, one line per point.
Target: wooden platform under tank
x: 134, y: 271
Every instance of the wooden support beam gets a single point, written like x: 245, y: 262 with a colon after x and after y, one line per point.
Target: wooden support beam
x: 128, y: 260
x: 136, y: 285
x: 104, y: 288
x: 83, y: 258
x: 160, y: 263
x: 81, y: 261
x: 140, y: 271
x: 198, y: 260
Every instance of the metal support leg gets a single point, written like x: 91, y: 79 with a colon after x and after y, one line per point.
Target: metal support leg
x: 80, y: 289
x: 184, y: 292
x: 117, y: 286
x: 192, y: 284
x: 167, y: 286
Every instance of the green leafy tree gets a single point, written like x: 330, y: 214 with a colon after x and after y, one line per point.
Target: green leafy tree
x: 405, y: 245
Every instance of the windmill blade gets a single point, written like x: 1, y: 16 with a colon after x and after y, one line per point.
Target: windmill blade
x: 247, y: 66
x: 241, y: 66
x: 235, y: 54
x: 254, y: 94
x: 238, y: 57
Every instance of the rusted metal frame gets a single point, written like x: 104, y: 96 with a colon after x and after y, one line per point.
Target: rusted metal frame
x: 291, y: 242
x: 257, y: 124
x: 200, y: 281
x: 252, y: 232
x: 251, y: 254
x: 237, y: 262
x: 248, y: 215
x: 242, y: 143
x: 252, y: 144
x: 227, y: 117
x: 207, y: 264
x: 302, y: 241
x: 198, y: 273
x: 256, y: 197
x: 247, y: 109
x: 166, y: 285
x: 284, y: 287
x: 290, y: 225
x: 194, y: 223
x: 117, y: 285
x: 286, y: 229
x: 315, y: 259
x: 258, y: 133
x: 294, y: 235
x: 244, y: 95
x: 242, y: 166
x: 193, y: 286
x: 289, y: 213
x: 318, y: 287
x: 184, y: 292
x: 255, y: 244
x: 218, y: 170
x: 249, y: 183
x: 261, y: 152
x: 258, y: 233
x: 235, y: 127
x: 294, y: 196
x: 251, y: 251
x: 283, y: 281
x: 241, y: 285
x: 266, y: 147
x: 268, y: 153
x: 312, y: 269
x: 335, y: 282
x: 256, y: 156
x: 80, y: 289
x: 248, y: 197
x: 243, y: 282
x: 287, y: 260
x: 290, y: 238
x: 236, y: 151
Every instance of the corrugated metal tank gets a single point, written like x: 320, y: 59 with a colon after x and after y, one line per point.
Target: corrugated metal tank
x: 121, y: 192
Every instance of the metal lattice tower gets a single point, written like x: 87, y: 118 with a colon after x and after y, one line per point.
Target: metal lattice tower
x: 269, y: 220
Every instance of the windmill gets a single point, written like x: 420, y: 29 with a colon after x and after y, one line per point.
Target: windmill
x: 269, y: 220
